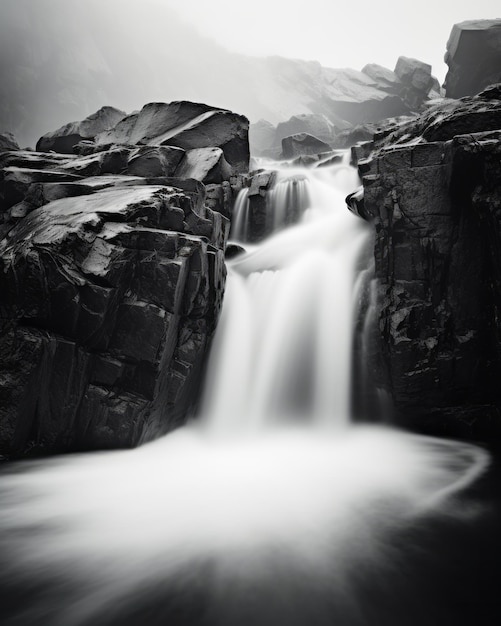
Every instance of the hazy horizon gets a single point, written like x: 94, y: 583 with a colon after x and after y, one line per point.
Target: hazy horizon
x: 61, y: 60
x: 336, y: 34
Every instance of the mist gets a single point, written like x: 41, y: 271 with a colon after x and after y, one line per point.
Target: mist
x: 61, y: 61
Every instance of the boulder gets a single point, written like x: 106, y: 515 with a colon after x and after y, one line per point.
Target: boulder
x: 207, y: 165
x: 473, y: 56
x: 109, y: 301
x: 8, y: 142
x: 319, y: 126
x: 65, y: 138
x: 434, y: 201
x: 303, y: 144
x: 385, y: 78
x: 152, y: 161
x: 186, y: 125
x: 414, y: 73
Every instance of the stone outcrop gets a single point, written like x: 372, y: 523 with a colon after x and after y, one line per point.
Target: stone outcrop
x: 112, y: 274
x: 109, y: 300
x: 303, y: 144
x: 185, y: 125
x: 473, y: 56
x: 434, y: 199
x: 65, y: 138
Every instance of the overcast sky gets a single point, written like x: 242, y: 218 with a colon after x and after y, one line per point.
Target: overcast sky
x: 338, y: 34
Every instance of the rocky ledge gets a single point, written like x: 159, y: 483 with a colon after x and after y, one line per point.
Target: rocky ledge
x: 112, y: 274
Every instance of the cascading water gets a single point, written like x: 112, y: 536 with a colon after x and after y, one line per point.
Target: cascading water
x: 269, y: 509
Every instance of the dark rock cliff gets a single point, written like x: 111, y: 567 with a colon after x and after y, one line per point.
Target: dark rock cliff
x: 433, y: 191
x: 112, y: 275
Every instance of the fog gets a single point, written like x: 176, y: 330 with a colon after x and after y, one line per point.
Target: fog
x: 61, y: 60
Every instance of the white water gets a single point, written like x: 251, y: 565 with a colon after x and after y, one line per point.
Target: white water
x: 269, y: 509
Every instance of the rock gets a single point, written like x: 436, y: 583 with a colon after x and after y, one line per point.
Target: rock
x: 65, y: 138
x: 185, y: 125
x: 473, y: 56
x: 258, y: 224
x: 434, y: 200
x: 153, y: 161
x: 207, y: 165
x: 317, y: 125
x: 303, y: 144
x: 384, y: 78
x: 414, y: 73
x: 8, y: 142
x: 109, y: 301
x: 233, y: 250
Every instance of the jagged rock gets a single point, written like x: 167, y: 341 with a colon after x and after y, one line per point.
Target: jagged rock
x: 207, y: 165
x: 8, y: 142
x: 152, y: 161
x: 220, y: 198
x: 109, y: 300
x: 63, y: 139
x: 186, y: 125
x: 233, y: 250
x: 302, y: 144
x: 260, y: 184
x: 434, y: 202
x: 473, y: 56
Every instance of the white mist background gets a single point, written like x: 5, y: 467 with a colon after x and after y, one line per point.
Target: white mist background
x: 335, y: 33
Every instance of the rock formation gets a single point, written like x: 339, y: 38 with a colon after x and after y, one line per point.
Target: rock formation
x: 64, y: 139
x: 473, y: 56
x: 112, y: 274
x: 432, y: 189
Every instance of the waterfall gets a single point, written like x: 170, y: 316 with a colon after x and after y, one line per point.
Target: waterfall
x: 283, y: 348
x: 240, y: 220
x: 269, y: 508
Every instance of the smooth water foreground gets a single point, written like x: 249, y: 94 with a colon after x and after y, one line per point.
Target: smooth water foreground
x: 270, y: 508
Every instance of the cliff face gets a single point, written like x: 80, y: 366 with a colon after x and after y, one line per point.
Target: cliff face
x: 433, y: 191
x: 112, y: 275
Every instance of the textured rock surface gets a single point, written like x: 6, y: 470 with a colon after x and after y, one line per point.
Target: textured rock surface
x: 186, y: 125
x: 473, y: 56
x: 112, y: 275
x: 109, y: 300
x: 435, y: 205
x: 63, y: 139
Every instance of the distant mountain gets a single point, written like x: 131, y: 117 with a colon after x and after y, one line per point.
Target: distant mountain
x: 61, y: 61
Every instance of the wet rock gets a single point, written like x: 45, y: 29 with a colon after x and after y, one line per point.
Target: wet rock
x: 207, y: 165
x: 473, y: 56
x: 109, y: 301
x: 303, y: 144
x: 63, y: 139
x: 154, y: 161
x: 186, y: 125
x: 260, y: 184
x: 233, y: 250
x: 434, y: 202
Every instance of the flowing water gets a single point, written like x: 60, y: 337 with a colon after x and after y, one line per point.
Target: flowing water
x: 270, y: 508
